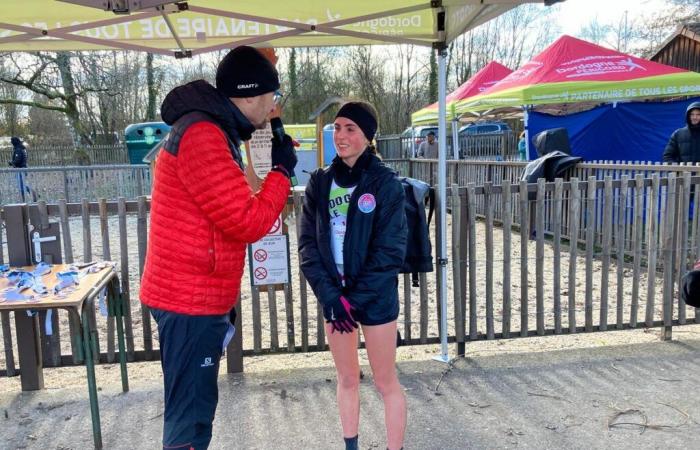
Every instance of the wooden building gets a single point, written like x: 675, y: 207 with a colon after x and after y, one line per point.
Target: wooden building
x: 682, y: 48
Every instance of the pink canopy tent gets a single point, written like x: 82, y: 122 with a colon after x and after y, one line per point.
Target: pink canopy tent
x: 488, y: 76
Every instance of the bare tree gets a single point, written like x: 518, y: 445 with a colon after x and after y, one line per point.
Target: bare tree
x: 49, y: 77
x: 595, y: 31
x: 511, y: 39
x: 655, y: 28
x: 10, y: 113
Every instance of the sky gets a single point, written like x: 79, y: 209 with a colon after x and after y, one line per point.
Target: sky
x: 574, y: 14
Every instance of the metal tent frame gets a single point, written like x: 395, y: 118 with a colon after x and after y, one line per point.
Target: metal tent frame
x: 448, y: 19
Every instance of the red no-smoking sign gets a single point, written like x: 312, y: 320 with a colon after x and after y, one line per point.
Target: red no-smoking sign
x: 260, y: 273
x: 276, y: 226
x: 260, y: 255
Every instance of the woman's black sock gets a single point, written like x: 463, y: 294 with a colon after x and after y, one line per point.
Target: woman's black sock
x: 351, y: 443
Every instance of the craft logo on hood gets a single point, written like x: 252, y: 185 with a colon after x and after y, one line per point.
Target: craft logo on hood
x: 598, y: 65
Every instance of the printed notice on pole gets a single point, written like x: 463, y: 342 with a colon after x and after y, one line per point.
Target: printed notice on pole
x: 268, y: 261
x: 260, y: 150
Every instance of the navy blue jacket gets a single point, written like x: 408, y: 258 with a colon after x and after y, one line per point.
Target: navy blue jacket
x: 684, y: 144
x: 374, y: 246
x: 19, y: 155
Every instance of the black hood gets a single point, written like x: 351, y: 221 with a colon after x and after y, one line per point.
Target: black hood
x: 692, y: 106
x: 201, y: 96
x: 348, y: 176
x: 16, y: 142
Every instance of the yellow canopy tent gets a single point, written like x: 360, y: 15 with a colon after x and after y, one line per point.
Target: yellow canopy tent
x: 188, y: 28
x: 198, y: 26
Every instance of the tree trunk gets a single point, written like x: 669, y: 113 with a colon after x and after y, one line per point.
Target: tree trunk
x: 293, y: 86
x: 150, y: 81
x: 80, y: 136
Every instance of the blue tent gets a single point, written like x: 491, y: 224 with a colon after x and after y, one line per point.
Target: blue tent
x: 635, y: 131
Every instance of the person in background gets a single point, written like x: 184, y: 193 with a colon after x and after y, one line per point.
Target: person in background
x: 684, y: 144
x: 203, y: 215
x: 522, y: 147
x: 19, y: 153
x: 428, y: 149
x: 352, y: 245
x: 19, y: 161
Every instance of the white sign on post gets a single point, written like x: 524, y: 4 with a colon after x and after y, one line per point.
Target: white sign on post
x: 268, y: 259
x: 260, y: 151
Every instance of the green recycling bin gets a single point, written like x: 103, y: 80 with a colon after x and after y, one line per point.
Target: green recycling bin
x: 142, y: 137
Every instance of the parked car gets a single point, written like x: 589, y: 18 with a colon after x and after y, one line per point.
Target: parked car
x: 484, y: 128
x: 412, y: 137
x: 485, y: 140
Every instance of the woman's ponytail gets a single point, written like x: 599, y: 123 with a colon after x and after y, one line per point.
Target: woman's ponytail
x: 372, y: 148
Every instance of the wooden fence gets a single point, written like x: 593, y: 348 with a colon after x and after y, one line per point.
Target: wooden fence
x: 577, y: 285
x: 74, y: 183
x: 43, y: 155
x: 509, y: 276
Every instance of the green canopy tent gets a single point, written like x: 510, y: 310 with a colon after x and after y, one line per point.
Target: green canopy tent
x: 188, y: 28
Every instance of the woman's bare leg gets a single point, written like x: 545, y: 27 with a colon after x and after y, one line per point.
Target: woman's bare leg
x: 344, y: 350
x: 381, y: 351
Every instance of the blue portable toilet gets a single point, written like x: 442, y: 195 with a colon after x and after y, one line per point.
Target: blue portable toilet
x: 140, y: 138
x: 328, y: 145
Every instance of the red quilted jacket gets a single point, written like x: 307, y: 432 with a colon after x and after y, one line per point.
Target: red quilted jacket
x: 203, y: 214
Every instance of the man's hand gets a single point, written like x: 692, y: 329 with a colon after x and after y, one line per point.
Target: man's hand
x: 284, y: 158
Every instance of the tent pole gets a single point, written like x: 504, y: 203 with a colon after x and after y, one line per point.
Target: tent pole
x: 442, y: 204
x: 527, y: 133
x: 414, y: 151
x: 455, y: 138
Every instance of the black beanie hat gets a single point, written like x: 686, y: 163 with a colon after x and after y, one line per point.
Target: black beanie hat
x: 245, y: 72
x: 362, y: 114
x: 690, y: 288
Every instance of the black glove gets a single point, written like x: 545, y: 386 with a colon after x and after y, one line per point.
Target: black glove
x: 284, y: 158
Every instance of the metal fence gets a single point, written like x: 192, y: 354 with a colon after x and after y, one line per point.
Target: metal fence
x: 496, y: 173
x: 494, y: 146
x: 496, y: 261
x: 74, y: 183
x: 43, y: 155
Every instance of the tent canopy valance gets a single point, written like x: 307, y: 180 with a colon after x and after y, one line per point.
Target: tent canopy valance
x: 573, y: 71
x: 196, y: 26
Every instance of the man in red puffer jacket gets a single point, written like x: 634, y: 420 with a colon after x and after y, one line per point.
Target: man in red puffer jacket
x: 203, y: 214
